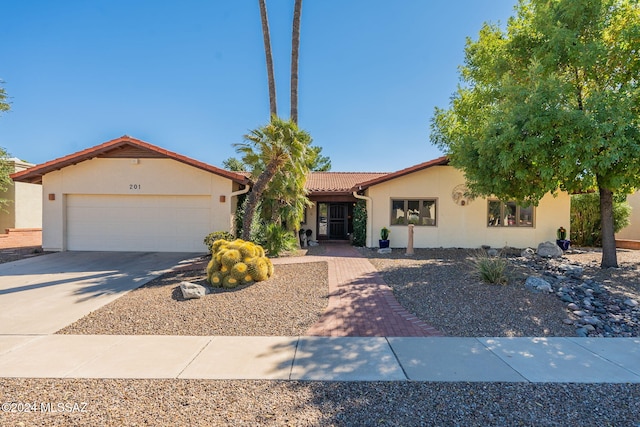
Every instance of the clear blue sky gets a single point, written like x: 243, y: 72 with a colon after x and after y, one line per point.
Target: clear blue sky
x: 190, y: 75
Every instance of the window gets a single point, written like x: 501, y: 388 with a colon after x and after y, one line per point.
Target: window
x: 413, y: 211
x: 509, y: 214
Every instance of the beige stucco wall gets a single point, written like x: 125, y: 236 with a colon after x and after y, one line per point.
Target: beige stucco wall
x: 312, y: 220
x: 126, y: 177
x: 632, y: 231
x: 24, y: 209
x: 28, y: 205
x: 458, y: 226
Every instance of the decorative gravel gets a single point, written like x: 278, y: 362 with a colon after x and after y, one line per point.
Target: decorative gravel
x: 286, y: 304
x: 278, y: 403
x: 439, y: 286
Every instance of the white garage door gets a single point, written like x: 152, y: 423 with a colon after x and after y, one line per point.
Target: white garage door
x: 137, y: 223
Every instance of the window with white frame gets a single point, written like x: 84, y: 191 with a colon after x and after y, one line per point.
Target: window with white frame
x: 509, y: 214
x: 420, y: 212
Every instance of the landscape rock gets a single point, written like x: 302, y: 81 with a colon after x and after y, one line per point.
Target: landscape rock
x: 631, y: 302
x: 492, y: 252
x: 549, y: 250
x: 384, y: 250
x: 527, y: 253
x: 571, y: 270
x: 536, y: 284
x: 192, y: 290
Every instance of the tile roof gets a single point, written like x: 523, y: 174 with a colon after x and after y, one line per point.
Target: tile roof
x: 34, y: 174
x: 338, y: 182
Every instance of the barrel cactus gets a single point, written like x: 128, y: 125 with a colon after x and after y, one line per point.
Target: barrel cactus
x: 237, y: 262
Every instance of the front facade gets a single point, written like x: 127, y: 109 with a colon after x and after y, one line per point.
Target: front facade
x: 431, y: 196
x: 128, y: 195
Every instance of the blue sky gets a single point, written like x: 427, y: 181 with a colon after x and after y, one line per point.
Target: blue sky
x: 190, y: 75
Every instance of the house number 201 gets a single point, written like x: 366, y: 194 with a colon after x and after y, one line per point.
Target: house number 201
x: 135, y: 187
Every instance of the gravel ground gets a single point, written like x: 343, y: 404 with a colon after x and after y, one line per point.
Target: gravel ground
x: 15, y: 254
x: 287, y: 304
x: 279, y: 403
x: 438, y: 284
x: 440, y: 287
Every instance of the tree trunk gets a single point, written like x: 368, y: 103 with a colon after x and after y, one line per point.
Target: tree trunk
x: 609, y: 255
x: 295, y: 49
x: 254, y: 197
x: 267, y: 51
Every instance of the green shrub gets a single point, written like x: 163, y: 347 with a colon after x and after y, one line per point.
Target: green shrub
x: 360, y: 223
x: 216, y: 235
x: 491, y: 269
x: 229, y: 268
x: 278, y: 240
x: 585, y: 219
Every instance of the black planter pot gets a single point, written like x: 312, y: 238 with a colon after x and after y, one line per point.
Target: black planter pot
x: 383, y: 243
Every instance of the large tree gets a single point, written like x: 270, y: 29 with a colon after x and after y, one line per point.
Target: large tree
x: 276, y: 147
x: 551, y: 103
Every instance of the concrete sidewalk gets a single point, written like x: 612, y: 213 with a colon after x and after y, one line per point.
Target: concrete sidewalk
x: 568, y: 360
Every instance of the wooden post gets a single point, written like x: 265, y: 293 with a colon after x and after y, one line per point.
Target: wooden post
x: 410, y: 243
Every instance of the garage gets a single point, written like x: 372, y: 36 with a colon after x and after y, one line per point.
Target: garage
x: 129, y: 195
x: 137, y: 223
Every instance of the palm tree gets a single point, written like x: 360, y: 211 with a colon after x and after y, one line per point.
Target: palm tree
x: 268, y: 150
x: 267, y: 51
x: 295, y: 49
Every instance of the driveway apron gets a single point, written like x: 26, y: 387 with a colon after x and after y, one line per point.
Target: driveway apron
x: 43, y: 294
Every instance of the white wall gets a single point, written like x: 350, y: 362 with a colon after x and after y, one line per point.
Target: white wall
x: 125, y: 177
x: 458, y: 226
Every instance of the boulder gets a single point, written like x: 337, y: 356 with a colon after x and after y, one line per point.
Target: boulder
x: 192, y: 290
x: 536, y: 284
x: 549, y: 250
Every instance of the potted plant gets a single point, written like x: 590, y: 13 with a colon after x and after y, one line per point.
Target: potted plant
x: 384, y: 238
x: 562, y: 239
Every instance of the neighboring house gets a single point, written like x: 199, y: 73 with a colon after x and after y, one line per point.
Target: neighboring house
x: 129, y: 195
x: 625, y: 237
x: 21, y: 217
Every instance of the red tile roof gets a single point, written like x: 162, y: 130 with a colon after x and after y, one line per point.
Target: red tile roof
x: 34, y: 174
x: 338, y: 182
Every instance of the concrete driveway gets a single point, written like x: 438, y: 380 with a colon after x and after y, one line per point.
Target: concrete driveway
x: 43, y: 294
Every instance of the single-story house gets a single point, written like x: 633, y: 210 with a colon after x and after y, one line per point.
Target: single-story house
x: 127, y: 194
x: 431, y: 196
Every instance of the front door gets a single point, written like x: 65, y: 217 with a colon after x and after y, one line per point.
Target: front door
x: 333, y: 221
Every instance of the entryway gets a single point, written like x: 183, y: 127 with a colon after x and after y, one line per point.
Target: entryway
x: 335, y: 221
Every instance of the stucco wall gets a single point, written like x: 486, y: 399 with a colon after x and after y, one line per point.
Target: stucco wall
x: 126, y: 177
x: 24, y: 209
x: 8, y: 210
x: 632, y: 231
x: 458, y: 226
x: 28, y: 205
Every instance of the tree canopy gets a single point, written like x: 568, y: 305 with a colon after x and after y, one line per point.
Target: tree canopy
x: 551, y: 103
x: 278, y: 156
x: 4, y: 103
x: 5, y: 166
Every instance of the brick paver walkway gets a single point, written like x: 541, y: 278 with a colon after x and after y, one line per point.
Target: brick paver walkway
x: 360, y: 304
